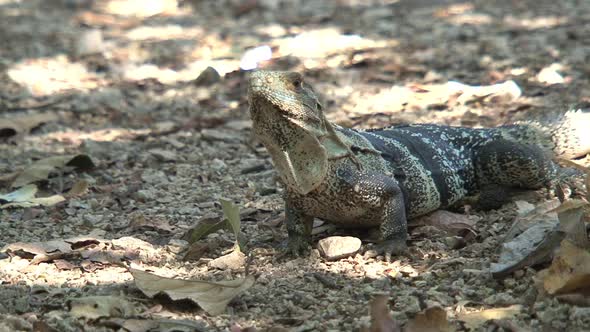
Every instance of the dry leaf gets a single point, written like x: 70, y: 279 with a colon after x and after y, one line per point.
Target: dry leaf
x: 94, y: 307
x: 204, y: 227
x: 139, y: 221
x: 452, y: 223
x: 543, y: 212
x: 48, y: 249
x: 197, y: 250
x: 533, y: 246
x: 213, y: 297
x: 474, y: 320
x: 569, y: 271
x: 577, y: 299
x: 21, y: 125
x: 41, y: 169
x: 78, y: 189
x: 25, y: 197
x: 132, y: 324
x: 233, y: 261
x: 381, y: 321
x: 572, y: 224
x: 433, y: 319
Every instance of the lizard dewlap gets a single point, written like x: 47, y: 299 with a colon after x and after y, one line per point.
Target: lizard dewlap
x: 381, y: 177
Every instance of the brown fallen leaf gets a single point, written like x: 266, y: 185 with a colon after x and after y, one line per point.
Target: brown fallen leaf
x: 41, y: 169
x: 213, y: 297
x: 139, y: 221
x: 10, y: 127
x: 433, y: 319
x: 48, y: 250
x: 474, y: 320
x: 452, y: 223
x: 571, y: 222
x: 577, y: 299
x: 569, y: 271
x: 78, y: 189
x: 381, y: 320
x: 198, y: 249
x: 94, y: 307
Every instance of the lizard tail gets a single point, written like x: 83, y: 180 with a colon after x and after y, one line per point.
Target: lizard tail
x: 566, y: 137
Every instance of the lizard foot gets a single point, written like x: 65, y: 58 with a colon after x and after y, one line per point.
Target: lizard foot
x: 294, y: 247
x: 388, y: 248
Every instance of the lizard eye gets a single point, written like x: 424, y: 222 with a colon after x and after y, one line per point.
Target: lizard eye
x: 297, y: 82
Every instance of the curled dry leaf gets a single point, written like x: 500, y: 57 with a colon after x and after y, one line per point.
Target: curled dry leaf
x: 569, y: 271
x: 527, y: 217
x: 451, y: 223
x: 533, y: 246
x: 49, y: 250
x: 213, y: 297
x: 433, y: 319
x: 41, y: 169
x: 381, y: 320
x: 474, y: 320
x: 10, y: 127
x: 94, y: 307
x: 570, y: 215
x: 25, y: 197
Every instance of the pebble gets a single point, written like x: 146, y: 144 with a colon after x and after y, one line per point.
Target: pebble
x: 337, y: 247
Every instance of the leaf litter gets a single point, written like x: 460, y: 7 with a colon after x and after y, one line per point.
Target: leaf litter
x: 213, y: 297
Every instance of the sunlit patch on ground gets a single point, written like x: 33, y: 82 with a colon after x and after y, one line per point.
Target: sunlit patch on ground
x: 168, y: 76
x: 47, y: 76
x: 164, y: 32
x: 534, y: 23
x: 322, y: 46
x: 142, y: 8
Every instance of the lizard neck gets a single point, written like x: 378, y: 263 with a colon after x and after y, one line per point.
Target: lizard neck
x: 298, y: 155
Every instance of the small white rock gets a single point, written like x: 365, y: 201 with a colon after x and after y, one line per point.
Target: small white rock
x: 337, y: 247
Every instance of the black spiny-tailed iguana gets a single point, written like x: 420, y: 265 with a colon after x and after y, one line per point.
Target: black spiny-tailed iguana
x: 381, y: 177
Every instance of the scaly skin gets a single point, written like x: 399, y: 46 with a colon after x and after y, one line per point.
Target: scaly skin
x: 379, y: 178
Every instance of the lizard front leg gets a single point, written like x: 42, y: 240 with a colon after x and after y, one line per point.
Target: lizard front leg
x: 384, y: 199
x: 299, y: 227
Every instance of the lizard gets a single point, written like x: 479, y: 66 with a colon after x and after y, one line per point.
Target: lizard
x: 383, y: 177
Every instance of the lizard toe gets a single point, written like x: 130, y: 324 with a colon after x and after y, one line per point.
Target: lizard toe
x: 387, y: 248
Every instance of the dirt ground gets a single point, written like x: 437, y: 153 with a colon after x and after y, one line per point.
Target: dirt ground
x: 147, y: 142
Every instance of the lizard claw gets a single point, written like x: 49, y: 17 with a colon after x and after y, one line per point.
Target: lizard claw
x: 294, y: 247
x: 387, y: 248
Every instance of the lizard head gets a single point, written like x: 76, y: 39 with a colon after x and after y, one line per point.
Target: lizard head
x: 288, y: 119
x: 289, y: 96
